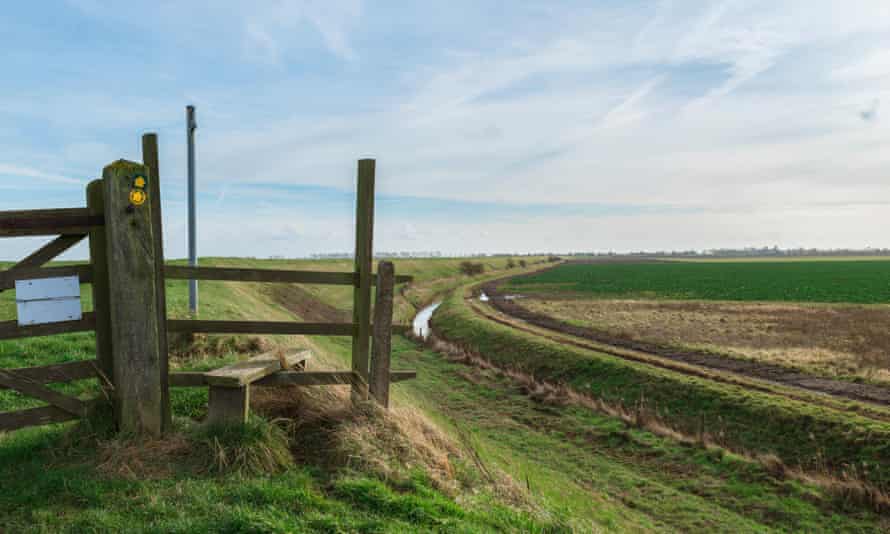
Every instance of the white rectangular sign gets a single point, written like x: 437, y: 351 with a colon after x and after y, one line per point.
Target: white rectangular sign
x: 48, y: 300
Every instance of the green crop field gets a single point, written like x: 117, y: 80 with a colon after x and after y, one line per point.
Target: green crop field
x: 862, y: 282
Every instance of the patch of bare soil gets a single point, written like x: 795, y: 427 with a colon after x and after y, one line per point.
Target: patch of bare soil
x: 305, y: 305
x: 659, y: 328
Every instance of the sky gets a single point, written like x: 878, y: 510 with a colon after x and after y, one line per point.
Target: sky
x: 520, y: 126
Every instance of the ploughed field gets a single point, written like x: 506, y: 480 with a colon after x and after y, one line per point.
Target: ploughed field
x: 827, y: 318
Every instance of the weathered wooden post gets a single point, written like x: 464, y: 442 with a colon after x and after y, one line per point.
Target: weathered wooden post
x: 133, y: 298
x: 101, y: 304
x: 150, y: 159
x: 364, y: 246
x: 382, y: 348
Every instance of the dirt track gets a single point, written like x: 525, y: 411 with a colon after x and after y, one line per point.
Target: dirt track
x: 860, y: 392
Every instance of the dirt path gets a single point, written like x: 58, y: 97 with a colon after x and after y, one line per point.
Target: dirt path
x: 860, y: 392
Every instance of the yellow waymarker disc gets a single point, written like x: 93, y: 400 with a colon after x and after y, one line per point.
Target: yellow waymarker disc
x: 139, y: 182
x: 137, y: 197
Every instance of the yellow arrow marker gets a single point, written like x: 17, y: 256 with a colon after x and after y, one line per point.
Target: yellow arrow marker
x: 139, y: 182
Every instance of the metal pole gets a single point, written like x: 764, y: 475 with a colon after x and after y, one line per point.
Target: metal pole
x: 191, y: 126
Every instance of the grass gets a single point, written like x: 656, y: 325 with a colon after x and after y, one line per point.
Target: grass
x: 862, y: 282
x: 591, y: 467
x: 799, y: 433
x: 224, y: 479
x: 524, y: 465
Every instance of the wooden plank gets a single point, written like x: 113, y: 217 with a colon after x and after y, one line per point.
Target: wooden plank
x: 260, y: 327
x: 287, y: 378
x: 308, y: 378
x: 8, y: 277
x: 60, y: 372
x: 138, y: 385
x: 151, y: 160
x: 247, y: 372
x: 44, y: 415
x: 47, y: 222
x: 228, y: 405
x: 101, y: 292
x: 183, y: 272
x: 179, y: 272
x: 364, y: 254
x: 31, y: 388
x: 49, y: 251
x: 381, y: 352
x: 12, y: 330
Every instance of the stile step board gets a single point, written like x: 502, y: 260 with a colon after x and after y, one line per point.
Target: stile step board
x: 245, y: 373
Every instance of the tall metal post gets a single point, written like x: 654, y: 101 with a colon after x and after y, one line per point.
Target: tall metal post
x: 191, y: 126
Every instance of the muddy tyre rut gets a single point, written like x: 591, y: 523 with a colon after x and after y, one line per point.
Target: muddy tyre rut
x: 868, y: 393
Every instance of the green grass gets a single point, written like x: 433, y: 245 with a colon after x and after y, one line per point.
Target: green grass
x: 45, y: 490
x: 581, y: 469
x: 862, y: 282
x: 798, y: 432
x: 50, y: 486
x: 589, y: 467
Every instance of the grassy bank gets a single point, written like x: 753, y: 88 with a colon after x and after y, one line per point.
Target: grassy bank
x: 51, y: 484
x: 800, y: 434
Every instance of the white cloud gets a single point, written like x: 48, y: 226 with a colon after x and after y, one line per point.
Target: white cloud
x: 12, y: 171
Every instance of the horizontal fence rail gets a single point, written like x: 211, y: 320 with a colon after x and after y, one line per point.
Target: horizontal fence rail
x: 8, y: 277
x: 288, y: 378
x: 44, y: 415
x: 268, y: 327
x: 60, y: 372
x: 12, y: 330
x: 178, y: 272
x: 48, y: 222
x: 260, y: 327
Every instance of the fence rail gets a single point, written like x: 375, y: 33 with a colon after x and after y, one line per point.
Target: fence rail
x: 178, y: 272
x: 48, y: 222
x: 12, y: 330
x: 9, y: 276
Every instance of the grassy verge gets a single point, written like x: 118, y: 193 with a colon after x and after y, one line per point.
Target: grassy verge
x: 596, y: 471
x: 800, y: 434
x: 207, y: 480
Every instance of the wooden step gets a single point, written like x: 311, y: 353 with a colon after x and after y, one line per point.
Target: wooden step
x: 247, y: 372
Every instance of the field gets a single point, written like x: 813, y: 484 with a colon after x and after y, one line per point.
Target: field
x: 482, y: 441
x: 842, y: 281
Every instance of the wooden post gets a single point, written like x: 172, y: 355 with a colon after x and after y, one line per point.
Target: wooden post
x: 382, y: 349
x: 364, y: 246
x: 133, y: 299
x: 150, y: 159
x: 101, y: 304
x: 228, y: 405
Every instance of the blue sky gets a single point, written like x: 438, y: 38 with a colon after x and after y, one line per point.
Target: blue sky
x: 498, y: 126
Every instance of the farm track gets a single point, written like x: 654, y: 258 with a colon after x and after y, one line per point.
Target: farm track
x: 831, y: 393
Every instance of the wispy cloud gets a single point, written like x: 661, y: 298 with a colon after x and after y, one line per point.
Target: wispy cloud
x: 13, y: 172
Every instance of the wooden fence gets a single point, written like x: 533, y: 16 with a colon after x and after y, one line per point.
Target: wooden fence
x: 72, y: 226
x: 127, y: 271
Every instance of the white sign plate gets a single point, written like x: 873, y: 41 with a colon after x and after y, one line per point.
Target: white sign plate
x: 48, y: 300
